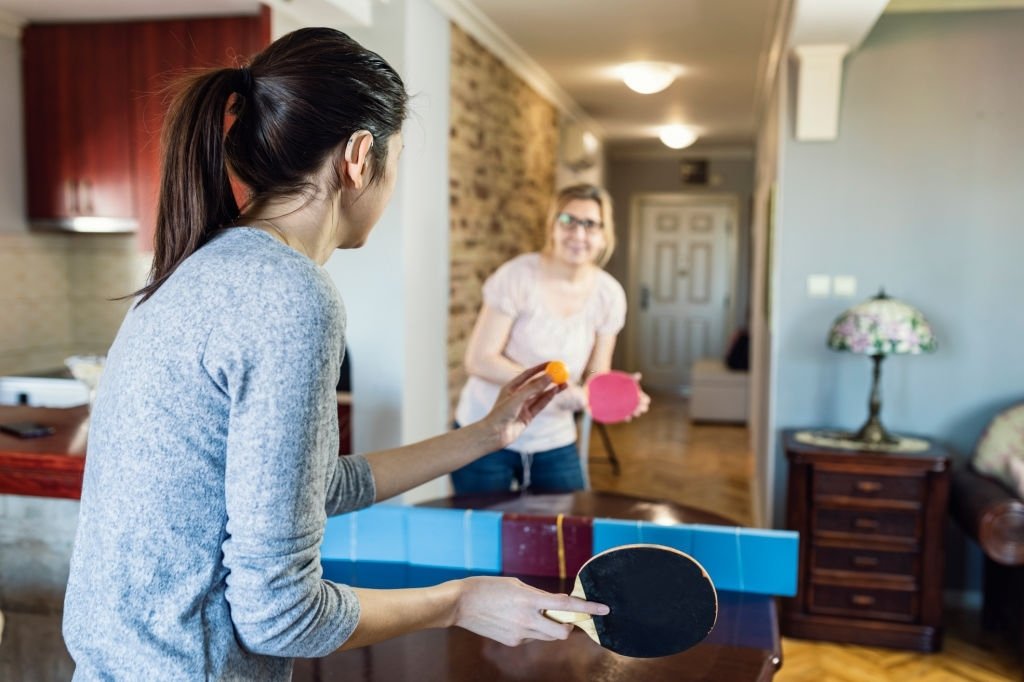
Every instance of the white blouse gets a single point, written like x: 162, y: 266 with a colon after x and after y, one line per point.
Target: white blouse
x: 539, y: 334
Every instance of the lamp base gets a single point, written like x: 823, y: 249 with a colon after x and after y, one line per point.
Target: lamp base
x: 873, y: 433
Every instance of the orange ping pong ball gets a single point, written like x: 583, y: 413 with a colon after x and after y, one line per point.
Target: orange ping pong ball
x: 558, y: 372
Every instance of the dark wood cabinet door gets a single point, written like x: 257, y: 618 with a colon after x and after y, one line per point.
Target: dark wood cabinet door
x: 102, y: 111
x: 77, y: 122
x: 164, y: 51
x: 48, y: 54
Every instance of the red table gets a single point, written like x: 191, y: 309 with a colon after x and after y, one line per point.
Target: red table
x: 50, y: 466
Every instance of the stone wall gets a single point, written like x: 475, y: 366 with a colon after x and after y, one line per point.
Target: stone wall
x: 502, y: 158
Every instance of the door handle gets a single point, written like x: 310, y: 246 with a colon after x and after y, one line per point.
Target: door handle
x: 645, y: 297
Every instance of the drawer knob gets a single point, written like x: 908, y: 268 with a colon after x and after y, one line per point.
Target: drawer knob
x: 862, y: 600
x: 868, y: 486
x: 866, y: 524
x: 865, y: 561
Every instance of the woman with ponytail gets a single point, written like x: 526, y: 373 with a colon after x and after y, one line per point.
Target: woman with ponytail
x: 212, y: 459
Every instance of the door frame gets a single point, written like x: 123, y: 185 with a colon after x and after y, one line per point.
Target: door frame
x: 727, y: 200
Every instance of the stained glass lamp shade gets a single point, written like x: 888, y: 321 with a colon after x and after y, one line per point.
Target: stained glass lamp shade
x: 879, y: 327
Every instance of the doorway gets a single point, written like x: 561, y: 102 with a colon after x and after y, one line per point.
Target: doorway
x: 682, y: 282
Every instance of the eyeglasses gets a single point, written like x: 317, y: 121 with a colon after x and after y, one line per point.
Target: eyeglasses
x: 568, y: 221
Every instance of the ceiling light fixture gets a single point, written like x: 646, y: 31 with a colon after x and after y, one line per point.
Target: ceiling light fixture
x: 649, y: 77
x: 677, y: 136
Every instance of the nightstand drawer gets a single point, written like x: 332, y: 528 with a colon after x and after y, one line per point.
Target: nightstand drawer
x: 866, y: 561
x: 867, y: 523
x: 865, y: 602
x: 868, y: 486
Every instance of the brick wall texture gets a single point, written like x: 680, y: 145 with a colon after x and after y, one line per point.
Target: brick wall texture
x: 502, y: 157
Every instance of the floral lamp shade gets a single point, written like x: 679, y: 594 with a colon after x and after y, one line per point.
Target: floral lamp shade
x: 879, y: 327
x: 882, y: 326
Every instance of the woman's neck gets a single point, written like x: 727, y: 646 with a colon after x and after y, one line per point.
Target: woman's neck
x: 302, y: 227
x: 567, y: 272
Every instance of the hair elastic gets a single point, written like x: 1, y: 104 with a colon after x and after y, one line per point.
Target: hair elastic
x: 245, y: 80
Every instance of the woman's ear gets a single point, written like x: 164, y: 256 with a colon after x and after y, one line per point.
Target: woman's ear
x: 355, y: 163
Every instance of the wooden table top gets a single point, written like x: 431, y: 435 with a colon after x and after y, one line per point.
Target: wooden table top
x: 743, y: 647
x: 49, y: 466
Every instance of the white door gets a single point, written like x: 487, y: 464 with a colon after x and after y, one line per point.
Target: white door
x: 681, y: 294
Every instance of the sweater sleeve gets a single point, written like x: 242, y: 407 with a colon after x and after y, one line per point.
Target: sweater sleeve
x: 351, y: 486
x: 278, y: 369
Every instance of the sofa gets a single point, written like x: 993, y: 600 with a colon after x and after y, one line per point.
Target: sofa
x: 993, y: 516
x: 718, y: 393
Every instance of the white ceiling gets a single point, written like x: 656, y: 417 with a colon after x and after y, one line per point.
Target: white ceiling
x: 720, y: 43
x: 578, y: 43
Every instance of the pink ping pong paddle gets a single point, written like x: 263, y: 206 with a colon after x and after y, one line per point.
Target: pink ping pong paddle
x: 613, y: 396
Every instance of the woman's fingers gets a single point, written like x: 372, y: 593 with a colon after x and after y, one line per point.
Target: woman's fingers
x: 565, y: 602
x: 643, y: 405
x: 525, y: 376
x: 535, y: 403
x: 548, y: 630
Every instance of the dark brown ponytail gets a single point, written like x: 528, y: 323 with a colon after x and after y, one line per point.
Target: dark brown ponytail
x: 294, y: 105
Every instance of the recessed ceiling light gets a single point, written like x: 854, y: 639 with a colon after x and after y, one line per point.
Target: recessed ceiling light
x: 677, y: 136
x: 649, y: 77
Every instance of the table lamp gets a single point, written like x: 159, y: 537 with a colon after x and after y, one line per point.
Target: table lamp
x: 879, y: 327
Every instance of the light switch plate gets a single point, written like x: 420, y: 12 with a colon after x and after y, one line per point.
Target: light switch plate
x: 845, y: 286
x: 819, y: 286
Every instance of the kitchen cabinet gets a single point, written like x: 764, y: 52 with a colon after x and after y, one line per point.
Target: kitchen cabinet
x: 79, y: 158
x: 95, y: 97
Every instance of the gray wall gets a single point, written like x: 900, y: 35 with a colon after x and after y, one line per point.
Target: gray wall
x: 396, y: 287
x: 628, y: 177
x: 922, y: 193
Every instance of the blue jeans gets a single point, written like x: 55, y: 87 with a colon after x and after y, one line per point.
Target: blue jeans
x: 556, y: 470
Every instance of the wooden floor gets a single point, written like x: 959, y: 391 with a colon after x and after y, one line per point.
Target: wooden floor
x: 663, y: 456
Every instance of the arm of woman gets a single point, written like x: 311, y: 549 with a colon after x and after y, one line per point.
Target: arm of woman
x: 502, y: 609
x: 601, y: 357
x: 400, y: 469
x: 485, y: 352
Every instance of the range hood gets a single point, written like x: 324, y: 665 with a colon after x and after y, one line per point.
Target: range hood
x: 86, y: 225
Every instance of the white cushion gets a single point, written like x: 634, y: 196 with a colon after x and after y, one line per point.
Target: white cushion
x: 717, y: 392
x: 1000, y: 451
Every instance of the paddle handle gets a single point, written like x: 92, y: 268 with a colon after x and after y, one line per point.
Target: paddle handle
x: 573, y: 617
x: 584, y: 621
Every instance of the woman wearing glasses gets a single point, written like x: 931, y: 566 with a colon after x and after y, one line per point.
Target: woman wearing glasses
x: 557, y: 303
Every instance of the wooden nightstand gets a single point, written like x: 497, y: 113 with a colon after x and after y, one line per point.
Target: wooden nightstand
x: 871, y: 532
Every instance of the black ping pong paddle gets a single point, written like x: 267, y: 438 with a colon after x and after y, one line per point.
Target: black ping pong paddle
x: 662, y: 601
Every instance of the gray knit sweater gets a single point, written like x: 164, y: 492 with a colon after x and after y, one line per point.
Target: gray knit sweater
x: 212, y: 466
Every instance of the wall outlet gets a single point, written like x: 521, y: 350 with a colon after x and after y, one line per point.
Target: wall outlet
x: 845, y: 286
x: 819, y: 286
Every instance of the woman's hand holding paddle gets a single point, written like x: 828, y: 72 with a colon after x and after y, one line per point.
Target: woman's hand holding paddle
x: 511, y: 612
